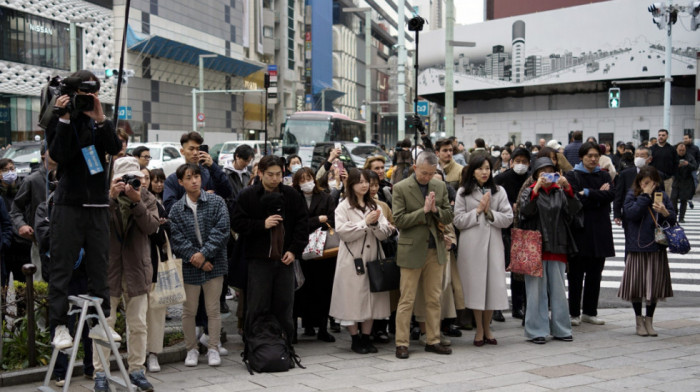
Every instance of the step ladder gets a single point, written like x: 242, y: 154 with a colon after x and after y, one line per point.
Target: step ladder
x: 82, y: 304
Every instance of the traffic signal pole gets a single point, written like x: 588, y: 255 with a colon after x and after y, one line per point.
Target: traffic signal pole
x: 667, y: 73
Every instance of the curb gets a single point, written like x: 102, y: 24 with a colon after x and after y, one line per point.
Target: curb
x: 170, y: 354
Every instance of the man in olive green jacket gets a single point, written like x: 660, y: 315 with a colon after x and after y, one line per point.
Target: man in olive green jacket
x: 420, y: 208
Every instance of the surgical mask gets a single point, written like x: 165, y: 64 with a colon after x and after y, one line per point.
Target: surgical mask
x: 495, y: 154
x: 520, y: 168
x: 640, y: 162
x: 295, y: 168
x: 10, y: 176
x: 307, y: 187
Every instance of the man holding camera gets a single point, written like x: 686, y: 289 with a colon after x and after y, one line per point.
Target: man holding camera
x: 133, y: 217
x: 79, y: 138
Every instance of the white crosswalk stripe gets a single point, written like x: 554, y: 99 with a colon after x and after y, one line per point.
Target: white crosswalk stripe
x: 685, y: 269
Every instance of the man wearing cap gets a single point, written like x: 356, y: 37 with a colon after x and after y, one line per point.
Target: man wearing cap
x: 133, y: 216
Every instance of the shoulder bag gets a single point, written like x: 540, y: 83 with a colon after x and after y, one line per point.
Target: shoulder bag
x: 526, y: 252
x: 672, y: 236
x: 383, y: 273
x: 169, y: 288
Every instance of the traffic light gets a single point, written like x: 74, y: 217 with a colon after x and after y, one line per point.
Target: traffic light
x: 614, y: 97
x: 114, y: 73
x: 658, y: 14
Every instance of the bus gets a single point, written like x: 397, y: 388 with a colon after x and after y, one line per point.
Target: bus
x: 305, y: 129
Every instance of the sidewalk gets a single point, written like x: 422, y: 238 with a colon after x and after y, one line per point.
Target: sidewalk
x: 601, y: 358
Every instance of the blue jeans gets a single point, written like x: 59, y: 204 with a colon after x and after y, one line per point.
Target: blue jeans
x: 550, y: 289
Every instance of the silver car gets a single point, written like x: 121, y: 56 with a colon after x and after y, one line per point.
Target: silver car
x: 164, y: 155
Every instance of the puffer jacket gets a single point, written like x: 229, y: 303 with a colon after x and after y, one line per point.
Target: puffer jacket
x: 639, y: 224
x: 550, y: 212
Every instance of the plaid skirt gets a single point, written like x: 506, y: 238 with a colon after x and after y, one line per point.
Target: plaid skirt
x: 646, y: 277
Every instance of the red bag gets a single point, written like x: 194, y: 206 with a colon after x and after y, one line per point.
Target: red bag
x: 526, y: 252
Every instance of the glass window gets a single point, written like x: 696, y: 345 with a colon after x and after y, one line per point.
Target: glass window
x: 31, y: 39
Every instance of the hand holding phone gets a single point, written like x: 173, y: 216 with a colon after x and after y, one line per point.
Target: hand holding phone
x: 658, y: 198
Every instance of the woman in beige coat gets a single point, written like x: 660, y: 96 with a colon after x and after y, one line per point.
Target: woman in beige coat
x: 481, y: 211
x: 360, y: 224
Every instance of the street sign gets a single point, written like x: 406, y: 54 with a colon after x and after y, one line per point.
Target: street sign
x: 422, y: 108
x: 200, y: 117
x: 200, y: 124
x: 125, y: 112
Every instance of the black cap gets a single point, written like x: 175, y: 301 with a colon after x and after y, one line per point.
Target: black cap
x: 539, y: 164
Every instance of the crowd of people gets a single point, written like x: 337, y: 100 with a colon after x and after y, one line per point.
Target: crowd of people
x: 445, y: 213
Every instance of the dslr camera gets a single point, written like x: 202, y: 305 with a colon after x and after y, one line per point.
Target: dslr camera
x: 70, y: 86
x: 132, y: 180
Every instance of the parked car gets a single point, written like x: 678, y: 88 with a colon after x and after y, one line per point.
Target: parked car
x: 164, y: 155
x: 228, y: 149
x: 215, y: 151
x: 25, y: 155
x: 361, y: 151
x: 320, y: 154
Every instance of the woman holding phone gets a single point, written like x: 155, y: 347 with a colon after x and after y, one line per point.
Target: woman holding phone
x: 647, y: 276
x: 548, y: 206
x: 361, y: 226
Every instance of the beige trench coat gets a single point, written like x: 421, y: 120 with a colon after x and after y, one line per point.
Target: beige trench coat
x: 351, y: 299
x: 481, y: 257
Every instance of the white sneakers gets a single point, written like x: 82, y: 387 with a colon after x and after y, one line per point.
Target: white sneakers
x: 204, y: 339
x: 97, y: 332
x: 62, y: 338
x: 592, y: 319
x: 576, y: 321
x: 192, y: 357
x: 213, y: 357
x: 152, y: 363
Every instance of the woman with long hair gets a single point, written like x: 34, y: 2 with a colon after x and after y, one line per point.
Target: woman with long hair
x: 361, y: 226
x: 647, y: 276
x: 481, y: 211
x: 313, y: 300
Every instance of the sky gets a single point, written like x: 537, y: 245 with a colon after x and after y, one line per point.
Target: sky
x: 469, y: 11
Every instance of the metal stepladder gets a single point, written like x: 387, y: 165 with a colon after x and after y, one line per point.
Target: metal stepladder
x: 82, y: 304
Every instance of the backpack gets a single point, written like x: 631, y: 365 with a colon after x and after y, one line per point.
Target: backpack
x: 266, y: 348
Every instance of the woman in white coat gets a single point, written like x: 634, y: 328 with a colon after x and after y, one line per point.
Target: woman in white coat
x: 360, y: 225
x: 481, y: 211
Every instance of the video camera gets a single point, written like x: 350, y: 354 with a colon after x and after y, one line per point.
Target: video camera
x: 70, y: 86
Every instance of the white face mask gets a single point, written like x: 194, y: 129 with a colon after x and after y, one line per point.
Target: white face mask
x: 495, y: 154
x: 307, y: 187
x: 295, y: 167
x: 640, y: 162
x: 520, y: 168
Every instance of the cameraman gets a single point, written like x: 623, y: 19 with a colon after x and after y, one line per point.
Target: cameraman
x: 79, y: 142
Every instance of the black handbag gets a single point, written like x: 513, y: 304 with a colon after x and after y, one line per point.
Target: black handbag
x: 384, y: 273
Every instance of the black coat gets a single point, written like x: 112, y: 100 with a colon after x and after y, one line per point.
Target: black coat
x: 322, y: 203
x: 550, y: 214
x: 683, y: 184
x: 595, y: 238
x: 623, y: 183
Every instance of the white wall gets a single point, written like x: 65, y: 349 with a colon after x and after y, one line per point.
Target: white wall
x: 495, y: 128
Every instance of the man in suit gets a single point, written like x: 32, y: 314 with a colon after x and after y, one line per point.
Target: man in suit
x: 421, y: 207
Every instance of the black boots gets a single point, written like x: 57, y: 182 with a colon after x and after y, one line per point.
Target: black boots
x: 361, y: 344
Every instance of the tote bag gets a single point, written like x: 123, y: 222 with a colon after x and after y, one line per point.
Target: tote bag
x: 169, y: 288
x: 526, y: 252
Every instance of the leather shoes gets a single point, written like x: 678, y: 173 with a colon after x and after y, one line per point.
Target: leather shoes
x: 401, y: 352
x: 491, y: 341
x: 498, y: 316
x: 325, y: 337
x: 437, y: 349
x: 518, y: 314
x: 479, y: 343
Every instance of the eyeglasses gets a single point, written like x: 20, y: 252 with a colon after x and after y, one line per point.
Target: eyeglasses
x: 146, y: 157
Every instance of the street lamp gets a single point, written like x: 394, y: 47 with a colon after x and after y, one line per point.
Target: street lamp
x: 201, y: 81
x: 73, y: 44
x: 368, y: 75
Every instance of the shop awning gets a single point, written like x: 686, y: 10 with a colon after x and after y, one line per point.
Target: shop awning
x: 157, y: 46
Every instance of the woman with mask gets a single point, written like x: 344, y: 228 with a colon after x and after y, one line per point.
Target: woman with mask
x: 502, y: 162
x: 293, y: 165
x: 19, y: 252
x: 313, y: 300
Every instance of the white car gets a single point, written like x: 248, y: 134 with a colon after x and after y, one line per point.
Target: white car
x: 164, y: 155
x: 229, y: 148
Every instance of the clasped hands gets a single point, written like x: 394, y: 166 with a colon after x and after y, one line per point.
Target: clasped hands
x: 200, y: 262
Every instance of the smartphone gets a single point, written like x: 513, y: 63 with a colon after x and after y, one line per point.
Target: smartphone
x: 658, y: 197
x: 339, y: 165
x: 204, y: 148
x: 338, y: 146
x: 551, y: 177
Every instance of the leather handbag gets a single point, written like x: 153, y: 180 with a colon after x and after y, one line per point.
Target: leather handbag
x: 330, y: 248
x: 384, y: 274
x: 526, y: 252
x: 323, y: 244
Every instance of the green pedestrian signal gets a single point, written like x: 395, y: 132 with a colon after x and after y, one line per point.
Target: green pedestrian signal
x: 614, y: 97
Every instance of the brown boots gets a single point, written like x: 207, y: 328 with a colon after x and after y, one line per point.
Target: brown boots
x: 645, y: 326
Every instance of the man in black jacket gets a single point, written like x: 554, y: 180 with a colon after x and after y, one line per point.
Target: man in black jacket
x: 512, y: 180
x: 596, y: 191
x: 79, y: 143
x: 665, y: 159
x: 271, y: 220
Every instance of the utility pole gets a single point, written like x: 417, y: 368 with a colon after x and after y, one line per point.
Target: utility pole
x: 401, y: 68
x: 201, y: 83
x: 449, y: 69
x: 667, y: 71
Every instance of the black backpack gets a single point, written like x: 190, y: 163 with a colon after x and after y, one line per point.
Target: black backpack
x: 266, y: 348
